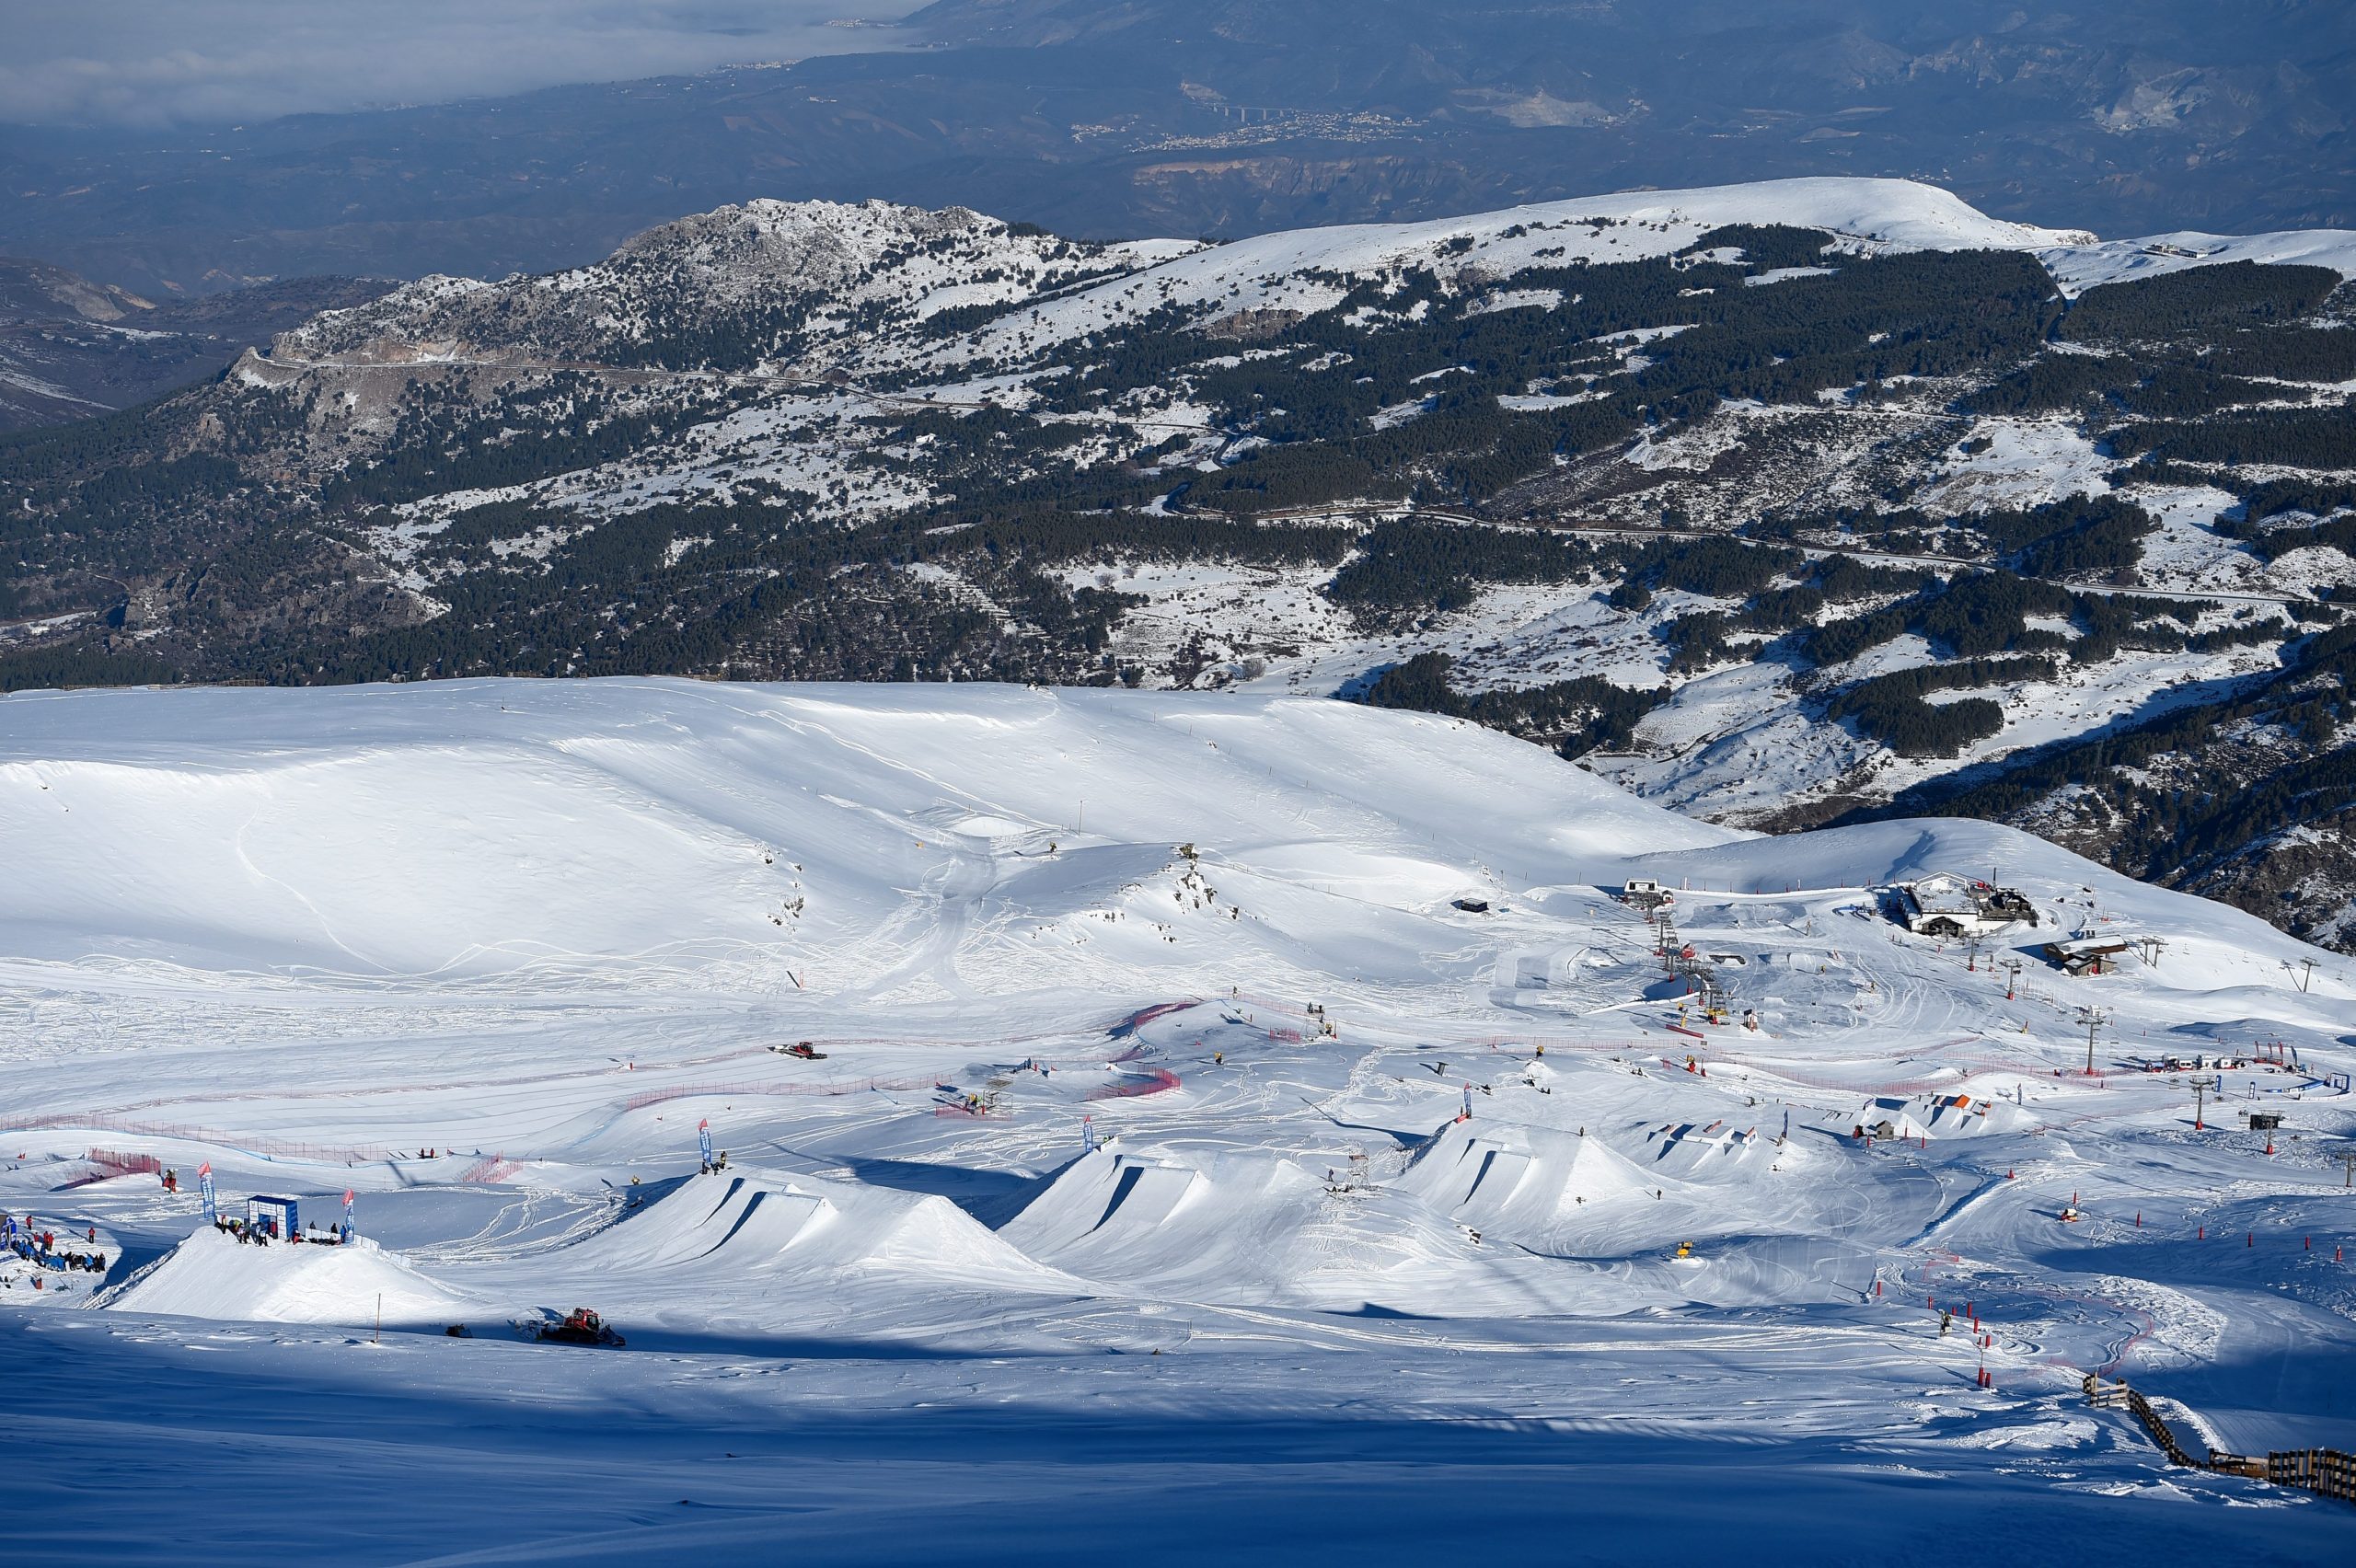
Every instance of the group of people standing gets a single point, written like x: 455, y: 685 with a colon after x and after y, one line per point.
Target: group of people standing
x: 40, y: 1249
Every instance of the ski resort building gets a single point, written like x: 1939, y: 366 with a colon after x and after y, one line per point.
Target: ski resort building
x: 1646, y: 893
x: 1944, y: 905
x: 2087, y: 955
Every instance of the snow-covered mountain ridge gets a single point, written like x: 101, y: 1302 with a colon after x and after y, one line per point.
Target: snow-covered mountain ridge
x: 1775, y: 501
x: 869, y: 269
x: 839, y: 273
x: 851, y: 256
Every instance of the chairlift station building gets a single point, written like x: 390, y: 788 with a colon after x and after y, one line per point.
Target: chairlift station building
x: 1944, y: 905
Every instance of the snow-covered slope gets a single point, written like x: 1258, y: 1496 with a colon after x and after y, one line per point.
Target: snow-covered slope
x: 1215, y: 1059
x: 1310, y: 270
x: 684, y: 826
x: 210, y: 1275
x: 2079, y: 266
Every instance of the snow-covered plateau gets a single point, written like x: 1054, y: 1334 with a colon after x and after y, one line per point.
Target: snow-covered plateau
x: 1225, y: 1125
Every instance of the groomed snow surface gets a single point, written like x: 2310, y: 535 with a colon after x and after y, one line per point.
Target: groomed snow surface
x: 1133, y: 1208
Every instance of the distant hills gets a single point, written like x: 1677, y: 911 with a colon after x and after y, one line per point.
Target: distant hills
x: 1235, y: 117
x: 71, y: 349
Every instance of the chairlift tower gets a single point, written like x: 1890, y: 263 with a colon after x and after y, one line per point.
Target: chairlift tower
x: 2094, y: 1019
x: 2200, y: 1092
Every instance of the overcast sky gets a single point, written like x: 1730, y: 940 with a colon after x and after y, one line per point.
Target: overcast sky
x: 150, y: 62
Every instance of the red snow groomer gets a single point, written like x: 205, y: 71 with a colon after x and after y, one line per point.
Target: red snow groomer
x: 580, y: 1326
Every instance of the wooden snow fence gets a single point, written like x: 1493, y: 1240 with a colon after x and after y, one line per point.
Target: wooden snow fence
x: 2319, y: 1470
x: 2325, y: 1471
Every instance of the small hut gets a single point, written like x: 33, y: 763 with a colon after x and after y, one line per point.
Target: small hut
x: 273, y: 1217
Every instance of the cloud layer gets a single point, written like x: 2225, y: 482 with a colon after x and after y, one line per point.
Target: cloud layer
x: 164, y: 62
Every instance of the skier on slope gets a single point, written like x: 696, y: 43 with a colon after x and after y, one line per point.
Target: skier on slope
x: 1947, y: 1322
